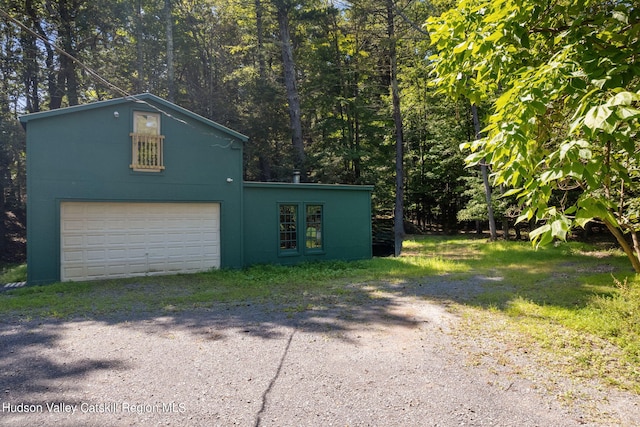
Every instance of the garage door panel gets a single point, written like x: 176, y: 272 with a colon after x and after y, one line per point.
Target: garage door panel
x: 135, y: 238
x: 211, y: 251
x: 192, y: 238
x: 177, y: 265
x: 96, y: 271
x: 191, y: 251
x: 175, y: 238
x: 117, y: 239
x: 73, y: 208
x: 113, y: 224
x: 157, y: 252
x: 117, y: 270
x: 117, y: 253
x: 102, y: 209
x: 137, y: 224
x: 158, y: 224
x: 138, y: 268
x: 73, y: 224
x: 157, y: 237
x: 96, y: 240
x: 72, y: 241
x: 137, y: 253
x: 73, y: 256
x: 209, y: 237
x: 213, y: 222
x: 71, y: 271
x: 96, y: 225
x: 193, y: 264
x: 176, y: 252
x: 157, y: 266
x: 106, y: 240
x: 95, y: 255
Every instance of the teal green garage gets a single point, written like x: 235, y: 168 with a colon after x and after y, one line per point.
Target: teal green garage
x: 139, y: 186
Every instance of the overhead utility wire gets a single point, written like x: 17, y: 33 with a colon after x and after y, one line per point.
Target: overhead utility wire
x: 90, y: 70
x: 102, y: 79
x: 68, y: 55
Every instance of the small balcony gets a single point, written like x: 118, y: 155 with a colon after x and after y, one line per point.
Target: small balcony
x: 146, y: 152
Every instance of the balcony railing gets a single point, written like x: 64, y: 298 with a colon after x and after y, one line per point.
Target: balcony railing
x: 146, y: 152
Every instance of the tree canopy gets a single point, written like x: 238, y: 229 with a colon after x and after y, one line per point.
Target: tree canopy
x: 337, y: 89
x: 562, y: 80
x: 342, y: 90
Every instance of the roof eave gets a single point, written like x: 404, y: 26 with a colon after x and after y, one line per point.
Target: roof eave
x: 143, y: 99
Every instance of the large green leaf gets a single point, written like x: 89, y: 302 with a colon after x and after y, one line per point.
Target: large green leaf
x: 597, y: 119
x: 623, y: 98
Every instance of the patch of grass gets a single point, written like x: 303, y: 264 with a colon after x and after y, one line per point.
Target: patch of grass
x: 575, y: 305
x: 13, y: 273
x: 618, y: 317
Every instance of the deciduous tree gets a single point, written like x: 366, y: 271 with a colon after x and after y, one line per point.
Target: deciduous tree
x: 563, y: 81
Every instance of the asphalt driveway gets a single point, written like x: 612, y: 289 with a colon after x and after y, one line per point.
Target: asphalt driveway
x: 395, y: 360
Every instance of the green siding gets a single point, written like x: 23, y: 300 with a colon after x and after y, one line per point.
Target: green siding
x: 346, y: 222
x: 85, y: 155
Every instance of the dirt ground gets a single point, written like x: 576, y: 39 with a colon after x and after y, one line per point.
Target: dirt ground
x: 398, y: 359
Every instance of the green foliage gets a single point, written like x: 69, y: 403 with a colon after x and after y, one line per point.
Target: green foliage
x: 620, y: 316
x: 504, y: 207
x: 13, y: 273
x: 434, y: 128
x: 12, y: 185
x: 228, y: 67
x: 563, y: 82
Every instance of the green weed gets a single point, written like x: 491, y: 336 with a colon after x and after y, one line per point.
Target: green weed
x: 13, y: 273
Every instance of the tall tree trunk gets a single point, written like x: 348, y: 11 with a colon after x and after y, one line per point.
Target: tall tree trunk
x: 5, y: 184
x: 69, y: 79
x: 64, y: 72
x: 636, y: 251
x: 30, y: 71
x: 357, y: 168
x: 485, y: 178
x: 398, y: 212
x: 50, y: 57
x: 139, y: 80
x: 292, y: 90
x: 260, y: 36
x: 261, y: 142
x: 631, y: 252
x: 171, y: 84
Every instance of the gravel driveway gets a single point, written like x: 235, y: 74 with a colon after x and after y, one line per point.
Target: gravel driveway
x: 398, y: 359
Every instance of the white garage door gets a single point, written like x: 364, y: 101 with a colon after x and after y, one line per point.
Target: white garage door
x: 110, y: 240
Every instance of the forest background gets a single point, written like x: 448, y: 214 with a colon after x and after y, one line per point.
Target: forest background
x: 357, y: 74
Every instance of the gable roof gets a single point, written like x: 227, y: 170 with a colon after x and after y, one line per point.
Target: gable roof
x: 145, y: 98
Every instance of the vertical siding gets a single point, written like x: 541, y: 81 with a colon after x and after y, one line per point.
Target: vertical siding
x: 84, y: 155
x: 346, y: 222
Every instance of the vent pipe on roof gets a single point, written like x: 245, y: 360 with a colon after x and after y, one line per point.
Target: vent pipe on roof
x: 296, y: 177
